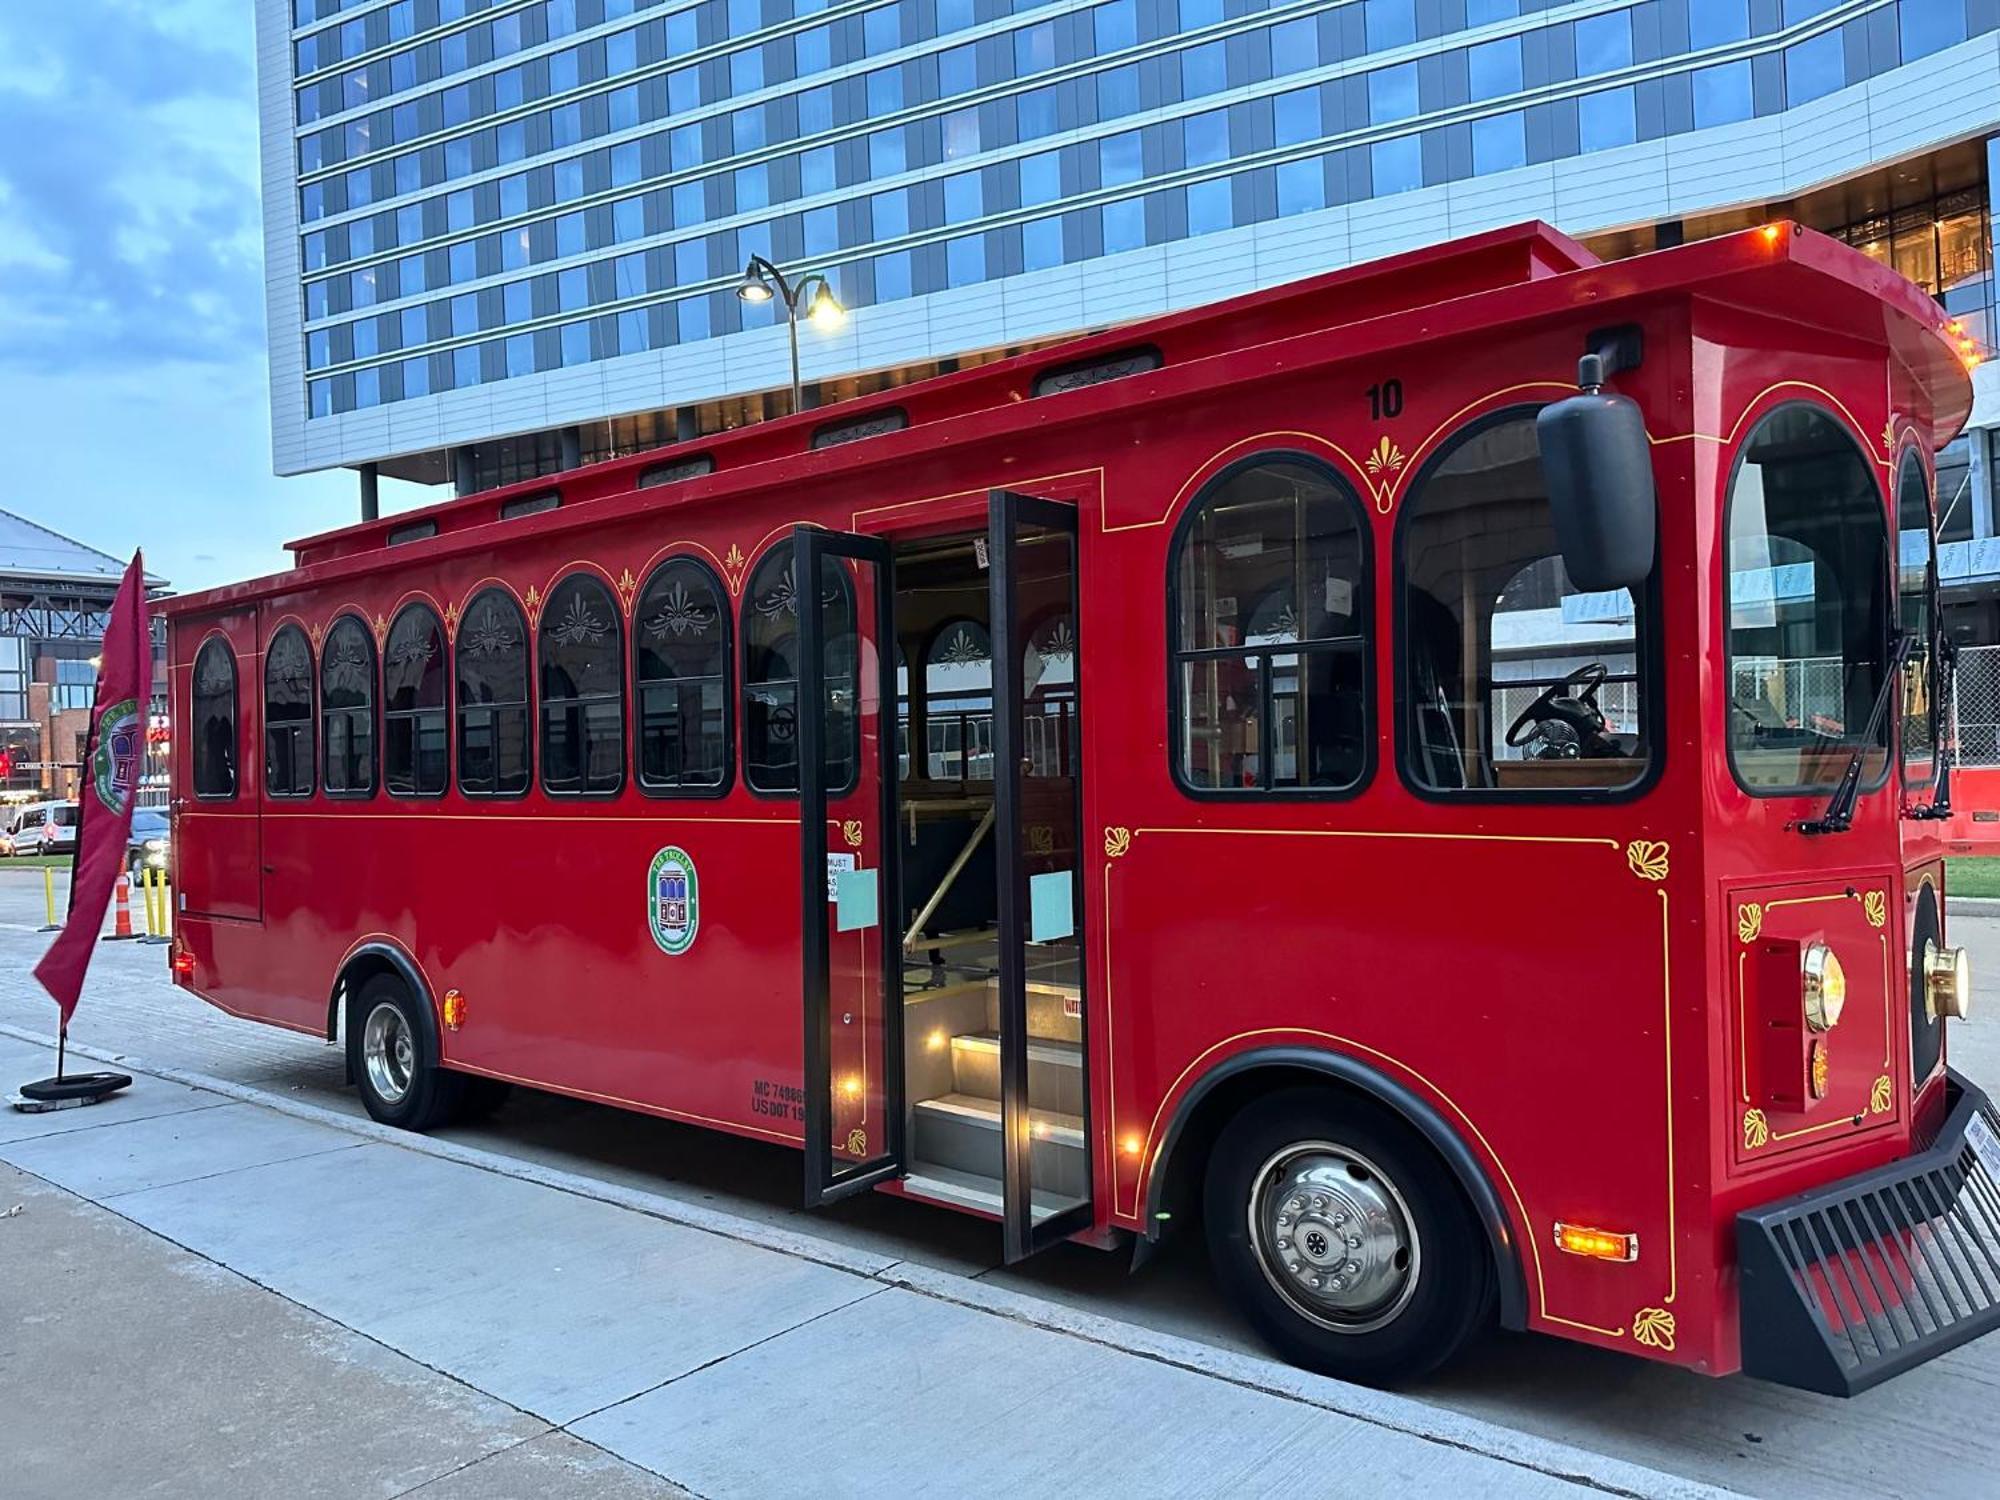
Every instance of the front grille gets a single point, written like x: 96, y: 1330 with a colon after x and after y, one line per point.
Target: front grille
x: 1850, y: 1284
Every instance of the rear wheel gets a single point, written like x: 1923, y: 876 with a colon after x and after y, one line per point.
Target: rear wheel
x: 393, y: 1058
x: 1343, y: 1238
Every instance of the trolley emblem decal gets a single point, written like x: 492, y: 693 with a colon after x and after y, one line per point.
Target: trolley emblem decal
x: 114, y: 765
x: 673, y: 901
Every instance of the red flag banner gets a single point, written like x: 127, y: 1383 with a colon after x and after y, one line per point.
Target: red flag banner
x: 109, y: 785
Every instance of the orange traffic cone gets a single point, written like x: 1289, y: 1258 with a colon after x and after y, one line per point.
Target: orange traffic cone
x: 121, y: 909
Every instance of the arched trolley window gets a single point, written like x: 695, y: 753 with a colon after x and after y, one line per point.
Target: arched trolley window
x: 1808, y: 599
x: 581, y: 656
x: 214, y: 704
x: 347, y: 709
x: 1515, y: 682
x: 771, y: 676
x: 415, y: 716
x: 490, y: 658
x: 680, y: 669
x: 288, y: 714
x: 1270, y: 610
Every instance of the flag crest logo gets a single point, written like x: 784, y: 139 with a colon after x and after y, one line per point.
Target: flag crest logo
x: 673, y: 901
x: 114, y: 767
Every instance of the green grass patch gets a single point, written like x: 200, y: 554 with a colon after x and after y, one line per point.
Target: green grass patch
x: 1972, y: 877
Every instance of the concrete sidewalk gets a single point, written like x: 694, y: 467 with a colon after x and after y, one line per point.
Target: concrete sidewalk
x: 435, y: 1317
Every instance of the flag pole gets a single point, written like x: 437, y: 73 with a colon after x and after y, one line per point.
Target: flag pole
x: 117, y: 737
x: 76, y: 848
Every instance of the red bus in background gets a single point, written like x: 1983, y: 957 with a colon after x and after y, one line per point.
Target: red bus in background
x: 1422, y: 775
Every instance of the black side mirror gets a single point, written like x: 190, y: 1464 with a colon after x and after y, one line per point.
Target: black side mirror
x: 1599, y: 469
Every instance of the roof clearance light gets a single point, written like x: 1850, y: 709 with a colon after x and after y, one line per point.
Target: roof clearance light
x: 1596, y: 1244
x: 1771, y: 233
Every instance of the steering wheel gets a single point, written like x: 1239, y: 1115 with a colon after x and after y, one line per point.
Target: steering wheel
x: 1573, y: 701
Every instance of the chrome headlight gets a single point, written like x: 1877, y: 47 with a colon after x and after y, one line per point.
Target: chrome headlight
x: 1825, y: 986
x: 1947, y: 982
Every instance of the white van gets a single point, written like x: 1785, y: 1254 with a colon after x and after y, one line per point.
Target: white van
x: 21, y: 833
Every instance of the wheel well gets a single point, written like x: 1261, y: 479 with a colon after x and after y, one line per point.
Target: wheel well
x: 358, y: 970
x: 1177, y: 1187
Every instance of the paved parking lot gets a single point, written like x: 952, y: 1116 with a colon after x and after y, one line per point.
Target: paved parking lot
x: 1736, y: 1433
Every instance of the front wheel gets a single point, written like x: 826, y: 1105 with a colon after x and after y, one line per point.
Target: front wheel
x: 1343, y: 1238
x: 393, y: 1059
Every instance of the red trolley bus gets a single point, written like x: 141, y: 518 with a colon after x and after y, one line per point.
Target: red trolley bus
x: 1425, y: 772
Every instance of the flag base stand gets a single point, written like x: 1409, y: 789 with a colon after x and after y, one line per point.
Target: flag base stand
x: 71, y: 1091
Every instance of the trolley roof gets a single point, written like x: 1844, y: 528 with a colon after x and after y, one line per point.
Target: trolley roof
x: 1456, y: 290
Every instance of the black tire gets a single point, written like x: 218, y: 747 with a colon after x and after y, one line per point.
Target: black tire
x: 431, y: 1094
x: 1425, y: 1313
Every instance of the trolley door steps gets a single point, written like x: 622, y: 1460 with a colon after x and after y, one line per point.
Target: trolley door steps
x: 956, y: 1136
x: 1055, y: 1071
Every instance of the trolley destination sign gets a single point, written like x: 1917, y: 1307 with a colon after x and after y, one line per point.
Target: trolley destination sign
x: 1423, y: 776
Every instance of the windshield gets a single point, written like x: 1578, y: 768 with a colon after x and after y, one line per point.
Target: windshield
x: 1808, y: 605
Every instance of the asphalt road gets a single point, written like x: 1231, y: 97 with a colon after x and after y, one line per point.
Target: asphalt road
x: 1925, y: 1428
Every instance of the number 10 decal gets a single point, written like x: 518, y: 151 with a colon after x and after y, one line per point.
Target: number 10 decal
x: 1385, y: 401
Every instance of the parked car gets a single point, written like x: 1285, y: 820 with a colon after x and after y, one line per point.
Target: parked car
x: 58, y: 832
x: 21, y: 828
x: 149, y: 843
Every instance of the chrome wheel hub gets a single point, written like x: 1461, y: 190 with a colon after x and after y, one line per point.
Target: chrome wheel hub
x: 1334, y: 1236
x: 389, y: 1053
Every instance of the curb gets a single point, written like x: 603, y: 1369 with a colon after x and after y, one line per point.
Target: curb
x: 1972, y: 906
x: 1404, y: 1415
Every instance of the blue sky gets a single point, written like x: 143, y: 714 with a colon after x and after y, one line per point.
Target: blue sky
x: 134, y: 407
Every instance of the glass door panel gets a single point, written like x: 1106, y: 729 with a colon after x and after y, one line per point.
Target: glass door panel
x: 1037, y: 788
x: 843, y: 595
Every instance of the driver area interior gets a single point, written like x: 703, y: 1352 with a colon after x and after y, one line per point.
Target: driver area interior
x: 1517, y: 681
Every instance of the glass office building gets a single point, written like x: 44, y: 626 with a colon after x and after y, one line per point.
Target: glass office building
x: 505, y: 234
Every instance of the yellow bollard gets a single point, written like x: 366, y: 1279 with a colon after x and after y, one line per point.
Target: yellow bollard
x: 49, y: 899
x: 146, y: 887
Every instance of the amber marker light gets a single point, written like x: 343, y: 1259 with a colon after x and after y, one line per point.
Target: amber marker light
x: 1131, y: 1145
x: 851, y: 1086
x: 1771, y: 232
x: 1596, y: 1244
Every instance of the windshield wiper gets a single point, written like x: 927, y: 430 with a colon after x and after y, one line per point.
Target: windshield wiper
x: 1839, y: 814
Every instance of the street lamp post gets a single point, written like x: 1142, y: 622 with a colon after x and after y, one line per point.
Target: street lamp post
x: 763, y: 281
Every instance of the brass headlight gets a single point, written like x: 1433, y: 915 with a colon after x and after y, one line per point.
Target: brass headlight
x: 1947, y: 982
x: 1825, y: 986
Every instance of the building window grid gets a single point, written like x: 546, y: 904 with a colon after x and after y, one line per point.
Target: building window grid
x: 457, y: 195
x: 318, y: 402
x: 323, y: 128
